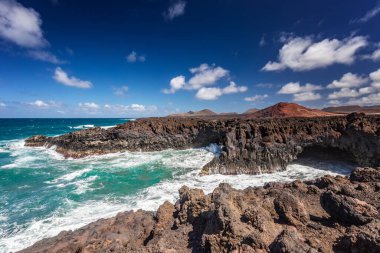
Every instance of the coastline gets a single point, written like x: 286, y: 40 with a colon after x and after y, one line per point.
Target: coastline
x: 323, y: 215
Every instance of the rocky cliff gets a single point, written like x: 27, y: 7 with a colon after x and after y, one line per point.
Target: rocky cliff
x: 330, y: 214
x: 249, y: 146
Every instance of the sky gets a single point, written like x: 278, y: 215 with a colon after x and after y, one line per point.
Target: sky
x: 138, y: 58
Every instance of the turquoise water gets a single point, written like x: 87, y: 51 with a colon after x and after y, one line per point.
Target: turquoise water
x: 41, y: 193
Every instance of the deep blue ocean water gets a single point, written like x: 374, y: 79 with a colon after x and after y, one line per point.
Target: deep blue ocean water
x: 41, y: 193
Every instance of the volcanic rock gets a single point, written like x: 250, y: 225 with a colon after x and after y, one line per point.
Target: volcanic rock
x: 250, y: 220
x: 249, y: 146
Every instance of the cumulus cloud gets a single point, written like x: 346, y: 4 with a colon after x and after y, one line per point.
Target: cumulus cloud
x: 301, y: 54
x: 213, y: 93
x: 369, y: 15
x: 233, y: 88
x: 205, y: 75
x: 306, y: 96
x: 344, y: 93
x: 175, y: 10
x: 301, y: 92
x: 349, y: 85
x: 348, y: 80
x: 372, y: 99
x: 62, y: 77
x: 202, y: 76
x: 206, y: 93
x: 134, y: 57
x: 22, y: 26
x: 295, y: 87
x: 376, y: 55
x: 120, y: 91
x: 256, y: 98
x: 176, y: 83
x: 2, y: 105
x: 375, y: 79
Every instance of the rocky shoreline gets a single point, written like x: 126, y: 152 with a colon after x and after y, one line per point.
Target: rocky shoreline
x: 330, y: 214
x: 249, y: 146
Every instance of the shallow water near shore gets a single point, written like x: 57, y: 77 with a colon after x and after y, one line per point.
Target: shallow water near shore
x: 42, y: 194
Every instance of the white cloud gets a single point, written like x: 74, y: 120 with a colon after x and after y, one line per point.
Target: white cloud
x: 21, y: 25
x: 132, y: 109
x: 44, y: 104
x: 202, y: 76
x: 256, y: 98
x: 89, y: 106
x: 306, y: 96
x: 375, y: 78
x: 176, y: 83
x: 62, y: 77
x: 348, y: 80
x: 44, y: 56
x: 372, y: 99
x: 233, y: 88
x: 295, y: 87
x: 2, y: 105
x: 175, y: 10
x: 214, y: 93
x: 120, y: 91
x: 205, y: 75
x: 300, y: 54
x: 134, y: 57
x: 369, y: 15
x: 376, y: 55
x: 209, y: 93
x: 344, y: 93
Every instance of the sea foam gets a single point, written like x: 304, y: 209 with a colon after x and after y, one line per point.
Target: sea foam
x: 184, y: 166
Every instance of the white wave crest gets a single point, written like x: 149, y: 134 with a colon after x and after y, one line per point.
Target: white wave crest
x: 82, y: 126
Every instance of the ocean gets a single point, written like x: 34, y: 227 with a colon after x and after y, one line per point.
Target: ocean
x: 41, y: 193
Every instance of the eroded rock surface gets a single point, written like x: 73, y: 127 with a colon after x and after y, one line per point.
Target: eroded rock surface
x: 249, y: 146
x: 291, y: 217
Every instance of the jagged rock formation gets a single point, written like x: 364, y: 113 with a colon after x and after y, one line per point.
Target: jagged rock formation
x: 330, y: 214
x: 249, y: 146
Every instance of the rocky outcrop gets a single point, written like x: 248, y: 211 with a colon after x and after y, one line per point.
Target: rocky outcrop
x: 249, y: 146
x: 294, y: 217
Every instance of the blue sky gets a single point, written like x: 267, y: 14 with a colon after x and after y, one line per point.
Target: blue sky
x: 70, y: 58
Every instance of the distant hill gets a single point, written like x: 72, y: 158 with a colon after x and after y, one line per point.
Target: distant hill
x: 204, y: 112
x: 251, y: 111
x: 282, y: 110
x: 353, y: 108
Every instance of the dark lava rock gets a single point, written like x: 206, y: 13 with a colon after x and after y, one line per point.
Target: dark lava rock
x: 290, y: 241
x: 249, y: 146
x: 230, y: 220
x: 365, y: 175
x: 291, y: 209
x: 347, y: 209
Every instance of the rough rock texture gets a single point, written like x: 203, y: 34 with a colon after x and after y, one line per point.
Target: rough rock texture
x: 249, y: 146
x: 292, y: 217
